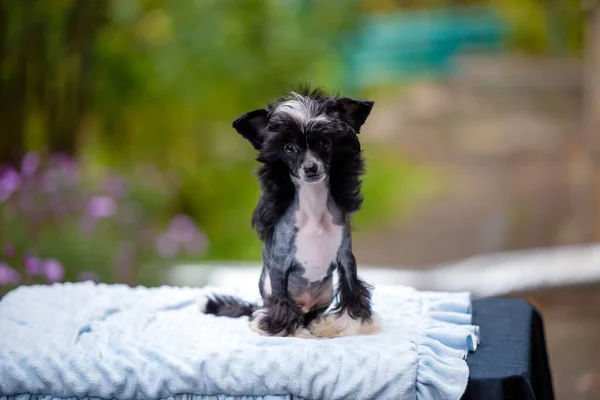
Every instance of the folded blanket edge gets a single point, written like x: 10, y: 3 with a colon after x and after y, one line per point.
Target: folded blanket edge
x: 438, y: 352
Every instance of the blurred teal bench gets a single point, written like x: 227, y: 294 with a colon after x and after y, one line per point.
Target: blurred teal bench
x: 399, y: 46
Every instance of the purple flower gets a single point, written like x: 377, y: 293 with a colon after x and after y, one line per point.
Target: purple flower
x: 183, y: 231
x: 166, y: 247
x: 53, y: 270
x: 102, y: 207
x: 88, y: 276
x: 33, y: 265
x: 65, y: 168
x: 8, y: 276
x: 30, y: 164
x: 9, y: 251
x: 9, y: 183
x: 48, y: 181
x: 182, y: 234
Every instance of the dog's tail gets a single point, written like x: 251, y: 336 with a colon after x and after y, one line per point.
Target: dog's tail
x: 226, y: 306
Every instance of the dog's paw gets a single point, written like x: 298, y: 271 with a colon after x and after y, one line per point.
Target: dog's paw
x: 255, y: 323
x: 325, y: 326
x: 334, y: 325
x: 258, y: 321
x: 282, y: 316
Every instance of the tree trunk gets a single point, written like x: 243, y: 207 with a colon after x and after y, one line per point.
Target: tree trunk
x: 12, y: 99
x: 34, y: 59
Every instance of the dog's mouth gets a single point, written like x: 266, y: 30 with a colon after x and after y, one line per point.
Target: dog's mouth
x: 308, y: 178
x: 311, y: 179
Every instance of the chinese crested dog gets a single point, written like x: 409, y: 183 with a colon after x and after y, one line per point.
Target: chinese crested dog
x: 308, y: 146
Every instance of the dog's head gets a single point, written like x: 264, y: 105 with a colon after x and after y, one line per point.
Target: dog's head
x: 306, y: 131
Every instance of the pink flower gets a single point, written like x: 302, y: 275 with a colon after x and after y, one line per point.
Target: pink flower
x: 30, y: 164
x: 102, y: 207
x: 48, y: 182
x: 183, y: 229
x: 53, y: 270
x: 33, y: 265
x: 67, y: 169
x: 166, y: 247
x: 10, y: 181
x: 183, y: 234
x: 8, y: 276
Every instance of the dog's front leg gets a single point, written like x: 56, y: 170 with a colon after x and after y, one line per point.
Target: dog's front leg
x: 354, y: 294
x: 280, y: 316
x: 353, y: 314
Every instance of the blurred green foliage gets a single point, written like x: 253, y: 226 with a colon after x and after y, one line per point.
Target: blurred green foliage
x: 539, y: 27
x: 183, y: 71
x: 124, y: 83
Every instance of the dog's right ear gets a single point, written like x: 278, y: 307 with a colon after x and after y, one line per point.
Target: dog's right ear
x: 252, y: 126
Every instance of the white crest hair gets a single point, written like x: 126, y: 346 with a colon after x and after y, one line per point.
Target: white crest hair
x: 302, y: 109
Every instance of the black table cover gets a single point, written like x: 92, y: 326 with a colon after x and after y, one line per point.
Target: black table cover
x: 511, y: 361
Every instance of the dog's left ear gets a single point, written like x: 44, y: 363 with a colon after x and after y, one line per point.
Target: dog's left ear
x: 356, y: 112
x: 252, y: 126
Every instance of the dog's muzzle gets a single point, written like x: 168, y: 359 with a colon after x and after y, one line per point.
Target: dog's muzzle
x: 312, y: 169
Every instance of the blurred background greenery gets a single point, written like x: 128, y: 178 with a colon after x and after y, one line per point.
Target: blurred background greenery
x: 153, y: 85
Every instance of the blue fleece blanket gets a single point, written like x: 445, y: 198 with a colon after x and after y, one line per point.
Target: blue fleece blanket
x: 114, y: 342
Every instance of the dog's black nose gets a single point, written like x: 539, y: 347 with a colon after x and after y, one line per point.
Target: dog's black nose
x: 311, y: 169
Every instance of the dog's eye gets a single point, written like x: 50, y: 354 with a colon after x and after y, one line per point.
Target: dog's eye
x: 289, y: 148
x: 325, y: 144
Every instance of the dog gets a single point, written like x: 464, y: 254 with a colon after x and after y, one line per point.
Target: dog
x: 310, y: 181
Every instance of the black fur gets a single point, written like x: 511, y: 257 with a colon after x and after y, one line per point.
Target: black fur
x: 277, y: 195
x: 354, y: 297
x: 312, y: 315
x: 347, y: 163
x: 283, y: 315
x: 229, y: 306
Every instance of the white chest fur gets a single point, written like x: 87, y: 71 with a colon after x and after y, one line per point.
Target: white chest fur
x: 318, y: 238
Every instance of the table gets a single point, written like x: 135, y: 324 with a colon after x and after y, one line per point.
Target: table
x: 511, y: 361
